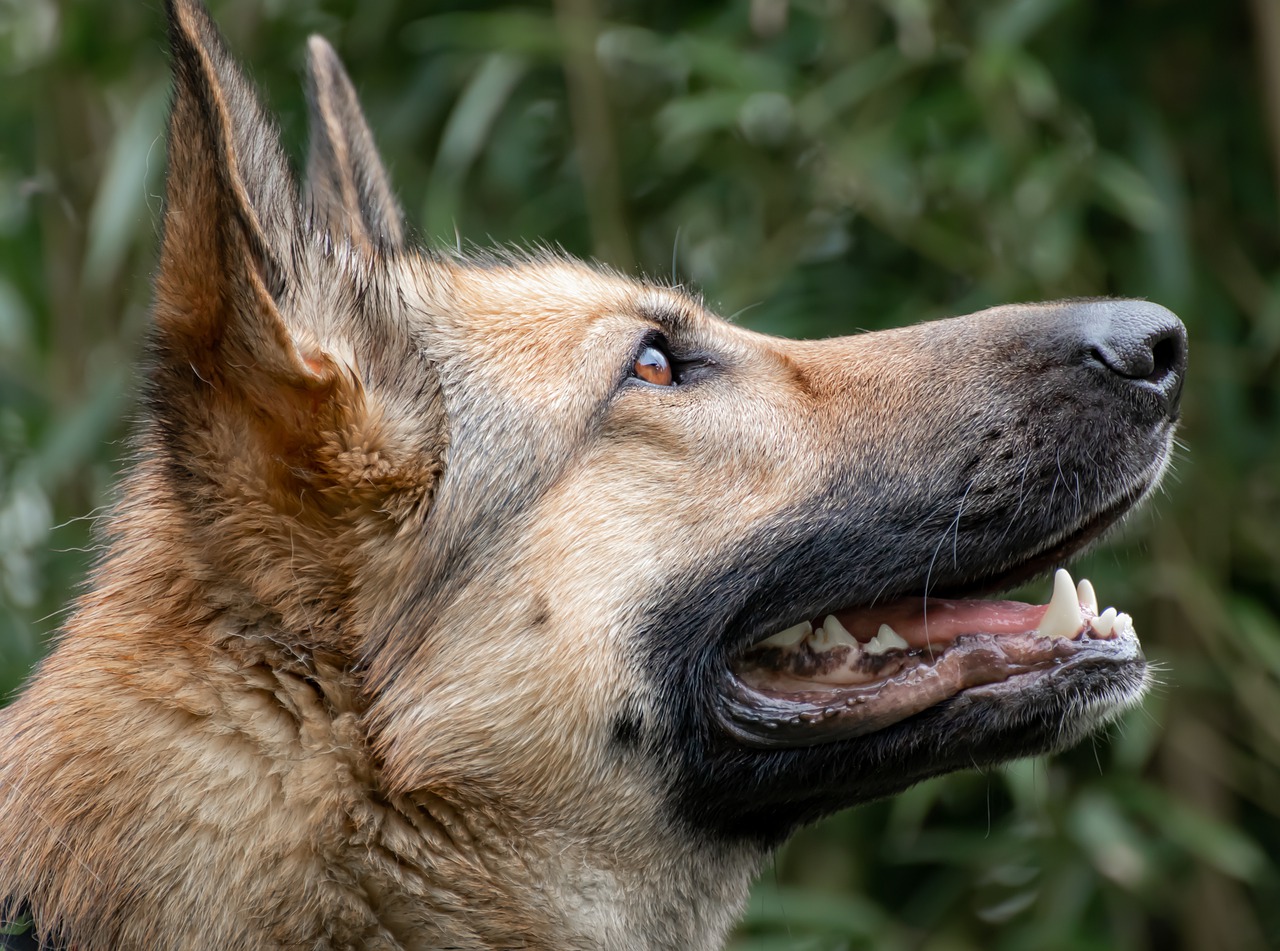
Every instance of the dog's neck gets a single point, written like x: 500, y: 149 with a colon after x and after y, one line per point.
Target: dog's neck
x: 232, y: 753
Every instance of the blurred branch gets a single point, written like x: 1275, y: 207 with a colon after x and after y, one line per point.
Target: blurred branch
x: 593, y: 132
x: 1266, y: 16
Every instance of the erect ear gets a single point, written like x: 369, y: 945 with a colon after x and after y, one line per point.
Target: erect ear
x: 278, y: 420
x: 347, y: 186
x: 231, y: 224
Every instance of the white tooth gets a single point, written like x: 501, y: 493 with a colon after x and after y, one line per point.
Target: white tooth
x: 832, y: 634
x: 892, y: 637
x: 838, y: 632
x: 1086, y: 595
x: 1124, y: 625
x: 790, y: 637
x: 886, y: 639
x: 1104, y: 622
x: 1062, y: 617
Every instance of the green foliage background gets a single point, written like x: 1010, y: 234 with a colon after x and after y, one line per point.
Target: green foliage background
x: 816, y: 167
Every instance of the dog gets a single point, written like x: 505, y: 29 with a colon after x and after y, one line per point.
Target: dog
x: 500, y: 600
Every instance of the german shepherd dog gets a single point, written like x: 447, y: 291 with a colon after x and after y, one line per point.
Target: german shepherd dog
x: 504, y: 601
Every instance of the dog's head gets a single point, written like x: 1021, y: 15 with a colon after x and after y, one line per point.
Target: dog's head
x: 605, y: 568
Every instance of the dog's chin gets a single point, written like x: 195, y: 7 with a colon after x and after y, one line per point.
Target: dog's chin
x: 1036, y: 712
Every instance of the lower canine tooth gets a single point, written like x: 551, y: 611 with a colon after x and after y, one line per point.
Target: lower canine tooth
x: 790, y: 637
x: 1062, y: 616
x: 886, y: 639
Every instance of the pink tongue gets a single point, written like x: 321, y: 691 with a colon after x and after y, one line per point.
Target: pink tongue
x: 933, y: 621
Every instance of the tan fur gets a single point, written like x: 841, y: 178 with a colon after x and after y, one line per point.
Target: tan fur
x: 343, y: 681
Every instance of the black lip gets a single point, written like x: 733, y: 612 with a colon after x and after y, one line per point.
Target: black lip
x: 1041, y: 564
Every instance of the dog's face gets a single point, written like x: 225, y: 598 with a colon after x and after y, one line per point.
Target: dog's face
x: 605, y: 568
x: 646, y: 537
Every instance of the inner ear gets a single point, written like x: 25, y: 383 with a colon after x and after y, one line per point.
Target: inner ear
x: 348, y: 190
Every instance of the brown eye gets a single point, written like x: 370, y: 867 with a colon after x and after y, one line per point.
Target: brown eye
x: 654, y: 367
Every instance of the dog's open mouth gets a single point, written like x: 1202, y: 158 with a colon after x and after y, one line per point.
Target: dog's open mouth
x: 857, y: 671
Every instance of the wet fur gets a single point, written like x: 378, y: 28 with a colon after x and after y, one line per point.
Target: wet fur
x: 413, y: 605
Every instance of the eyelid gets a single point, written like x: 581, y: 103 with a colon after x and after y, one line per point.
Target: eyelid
x: 654, y: 337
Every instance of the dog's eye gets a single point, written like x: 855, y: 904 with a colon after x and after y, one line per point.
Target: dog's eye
x: 654, y: 366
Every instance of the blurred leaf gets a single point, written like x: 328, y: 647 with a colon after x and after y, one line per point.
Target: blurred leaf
x: 1212, y: 840
x: 132, y: 173
x: 1114, y: 845
x: 1129, y: 193
x: 803, y: 911
x: 464, y: 137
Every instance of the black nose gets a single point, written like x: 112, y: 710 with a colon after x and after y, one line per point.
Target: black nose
x: 1140, y: 342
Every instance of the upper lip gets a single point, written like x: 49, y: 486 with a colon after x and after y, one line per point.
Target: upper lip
x: 1036, y: 564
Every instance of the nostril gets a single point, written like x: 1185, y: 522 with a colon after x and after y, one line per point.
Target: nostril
x: 1130, y: 359
x: 1166, y: 356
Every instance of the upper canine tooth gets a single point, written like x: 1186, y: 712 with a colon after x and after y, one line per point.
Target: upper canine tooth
x: 790, y: 637
x: 1086, y: 595
x: 832, y: 634
x: 1062, y: 616
x: 1104, y: 622
x: 886, y: 639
